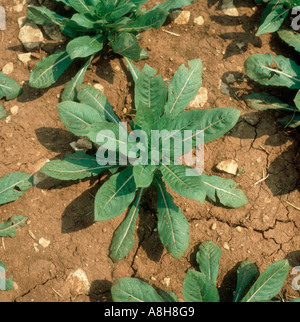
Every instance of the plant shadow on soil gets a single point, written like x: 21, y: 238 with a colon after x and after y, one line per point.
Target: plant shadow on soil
x: 239, y: 40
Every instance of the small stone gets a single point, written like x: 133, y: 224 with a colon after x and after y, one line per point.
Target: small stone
x: 84, y: 144
x: 228, y: 166
x: 180, y: 17
x: 167, y: 281
x: 53, y: 32
x: 153, y: 278
x: 199, y: 21
x: 213, y: 226
x: 226, y: 246
x: 24, y: 58
x: 229, y: 8
x: 8, y: 68
x: 30, y: 36
x: 18, y: 7
x: 201, y: 98
x: 22, y: 21
x: 14, y: 110
x: 239, y: 229
x: 99, y: 87
x: 77, y: 282
x: 44, y: 242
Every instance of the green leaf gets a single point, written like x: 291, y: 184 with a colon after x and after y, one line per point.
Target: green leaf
x: 246, y: 272
x: 224, y: 190
x: 173, y: 4
x: 3, y: 112
x: 143, y: 175
x: 75, y: 166
x: 297, y: 100
x: 208, y: 259
x: 47, y: 71
x: 291, y: 121
x: 85, y: 46
x: 13, y: 186
x: 184, y: 86
x: 133, y: 70
x: 70, y: 90
x: 115, y: 195
x: 273, y: 71
x: 89, y: 95
x: 151, y: 19
x: 145, y: 119
x: 273, y: 17
x: 81, y: 6
x: 188, y: 186
x: 126, y: 44
x: 291, y: 38
x: 9, y: 228
x: 78, y: 118
x: 9, y: 88
x: 264, y: 101
x: 121, y: 11
x: 126, y: 289
x: 5, y: 284
x: 173, y: 227
x: 123, y: 239
x: 269, y: 282
x: 197, y: 288
x: 150, y: 91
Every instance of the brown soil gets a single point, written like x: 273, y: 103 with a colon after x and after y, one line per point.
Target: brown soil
x: 265, y: 230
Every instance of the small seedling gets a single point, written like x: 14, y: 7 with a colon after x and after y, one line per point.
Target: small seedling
x: 201, y: 286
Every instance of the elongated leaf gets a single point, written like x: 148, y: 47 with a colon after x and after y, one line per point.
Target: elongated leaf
x: 224, y: 190
x: 9, y: 228
x: 184, y: 86
x: 75, y: 166
x: 173, y: 4
x: 245, y: 274
x: 150, y: 19
x: 123, y: 239
x: 13, y: 186
x: 197, y: 288
x: 121, y: 11
x: 143, y: 175
x: 81, y: 6
x: 3, y: 112
x: 126, y: 289
x: 47, y: 71
x: 126, y: 44
x: 269, y: 282
x: 212, y: 124
x: 272, y: 18
x: 77, y: 117
x: 264, y: 101
x: 145, y: 119
x: 291, y: 121
x: 188, y: 186
x: 85, y: 46
x: 273, y: 71
x: 173, y: 227
x: 150, y: 91
x: 9, y: 88
x: 208, y: 259
x: 5, y: 284
x: 89, y: 95
x: 133, y: 70
x: 115, y: 195
x: 70, y: 90
x: 291, y: 38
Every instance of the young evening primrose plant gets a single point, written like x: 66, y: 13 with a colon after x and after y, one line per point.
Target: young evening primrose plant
x: 201, y: 286
x: 95, y: 26
x: 157, y: 109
